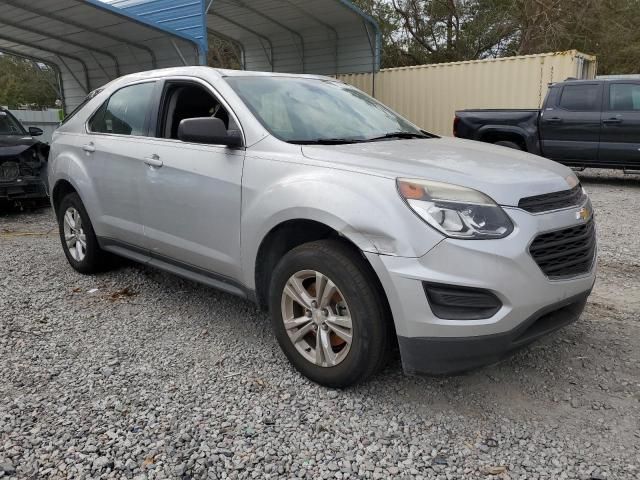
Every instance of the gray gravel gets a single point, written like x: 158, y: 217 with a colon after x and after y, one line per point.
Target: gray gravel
x: 150, y: 376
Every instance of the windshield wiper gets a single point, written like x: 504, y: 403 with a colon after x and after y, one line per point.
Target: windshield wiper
x: 400, y: 135
x: 326, y: 141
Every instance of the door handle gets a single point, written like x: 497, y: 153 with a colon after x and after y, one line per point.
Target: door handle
x: 554, y: 120
x: 154, y: 161
x: 611, y: 121
x: 89, y: 147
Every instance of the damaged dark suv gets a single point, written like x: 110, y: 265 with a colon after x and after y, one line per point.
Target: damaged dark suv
x: 23, y: 161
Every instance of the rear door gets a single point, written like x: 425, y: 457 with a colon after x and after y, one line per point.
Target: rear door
x: 113, y: 158
x: 620, y: 139
x: 570, y: 129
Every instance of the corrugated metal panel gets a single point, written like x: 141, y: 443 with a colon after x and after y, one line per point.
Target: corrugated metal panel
x: 184, y: 16
x: 429, y: 95
x: 297, y: 36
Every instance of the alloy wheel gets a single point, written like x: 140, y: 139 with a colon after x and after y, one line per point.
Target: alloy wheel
x: 74, y: 235
x: 317, y: 318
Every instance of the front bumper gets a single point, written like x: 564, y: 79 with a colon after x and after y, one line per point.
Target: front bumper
x: 24, y: 188
x: 532, y: 304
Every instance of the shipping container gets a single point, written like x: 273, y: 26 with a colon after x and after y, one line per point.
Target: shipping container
x: 429, y: 95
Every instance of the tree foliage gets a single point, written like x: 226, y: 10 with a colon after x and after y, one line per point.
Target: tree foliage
x: 23, y: 82
x: 434, y: 31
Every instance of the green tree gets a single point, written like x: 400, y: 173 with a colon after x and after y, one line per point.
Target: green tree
x: 23, y: 82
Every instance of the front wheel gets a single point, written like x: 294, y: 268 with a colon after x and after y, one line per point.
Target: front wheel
x: 328, y: 314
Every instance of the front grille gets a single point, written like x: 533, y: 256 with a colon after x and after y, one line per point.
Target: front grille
x: 553, y: 201
x: 565, y: 253
x: 9, y: 171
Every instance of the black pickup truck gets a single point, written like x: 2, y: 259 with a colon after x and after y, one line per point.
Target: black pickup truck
x: 583, y: 123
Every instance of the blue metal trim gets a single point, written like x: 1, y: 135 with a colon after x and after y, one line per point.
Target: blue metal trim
x: 368, y: 18
x: 201, y: 45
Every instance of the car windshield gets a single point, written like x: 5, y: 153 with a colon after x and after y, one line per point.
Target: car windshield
x: 308, y: 111
x: 9, y: 125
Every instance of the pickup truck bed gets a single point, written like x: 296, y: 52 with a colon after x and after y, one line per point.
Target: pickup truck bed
x: 582, y: 124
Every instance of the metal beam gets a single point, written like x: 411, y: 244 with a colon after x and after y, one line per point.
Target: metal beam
x: 261, y: 37
x: 73, y: 23
x: 35, y: 31
x: 57, y: 53
x: 275, y: 22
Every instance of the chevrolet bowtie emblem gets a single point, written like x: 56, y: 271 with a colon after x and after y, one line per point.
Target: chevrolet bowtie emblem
x: 583, y: 214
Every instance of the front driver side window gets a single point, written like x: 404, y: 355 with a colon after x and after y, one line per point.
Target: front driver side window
x: 126, y: 112
x: 183, y: 100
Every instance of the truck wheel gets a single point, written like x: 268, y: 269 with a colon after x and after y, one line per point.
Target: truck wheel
x: 328, y: 314
x: 508, y: 144
x: 78, y: 239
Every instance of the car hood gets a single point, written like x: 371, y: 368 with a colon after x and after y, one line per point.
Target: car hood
x: 12, y: 145
x: 506, y: 175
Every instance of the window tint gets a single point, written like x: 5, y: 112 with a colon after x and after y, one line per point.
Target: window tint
x: 581, y: 98
x: 126, y: 111
x: 625, y: 97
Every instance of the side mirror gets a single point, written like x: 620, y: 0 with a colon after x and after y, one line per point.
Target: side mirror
x: 207, y: 130
x: 35, y: 131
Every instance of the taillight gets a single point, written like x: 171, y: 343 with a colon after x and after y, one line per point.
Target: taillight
x: 456, y: 122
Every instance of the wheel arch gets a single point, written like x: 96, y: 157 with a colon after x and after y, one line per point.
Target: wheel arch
x: 284, y: 237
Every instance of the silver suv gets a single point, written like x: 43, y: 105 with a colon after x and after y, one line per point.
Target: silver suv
x: 359, y: 232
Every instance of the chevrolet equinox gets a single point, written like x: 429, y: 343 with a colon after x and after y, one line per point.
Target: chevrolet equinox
x: 358, y: 231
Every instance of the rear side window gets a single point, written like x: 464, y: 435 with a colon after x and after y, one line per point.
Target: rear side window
x: 624, y: 97
x: 581, y: 98
x: 126, y: 112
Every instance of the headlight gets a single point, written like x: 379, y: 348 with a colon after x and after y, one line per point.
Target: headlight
x: 455, y: 211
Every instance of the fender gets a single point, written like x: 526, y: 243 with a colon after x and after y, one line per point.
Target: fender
x: 351, y: 204
x: 529, y: 132
x: 71, y: 169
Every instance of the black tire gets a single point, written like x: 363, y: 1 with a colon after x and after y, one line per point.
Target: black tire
x: 373, y: 332
x: 508, y: 144
x: 95, y: 258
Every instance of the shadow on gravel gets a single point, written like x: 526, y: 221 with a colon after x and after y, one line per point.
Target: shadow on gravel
x: 11, y: 210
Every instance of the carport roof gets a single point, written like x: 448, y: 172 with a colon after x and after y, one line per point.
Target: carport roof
x: 295, y: 36
x: 89, y: 43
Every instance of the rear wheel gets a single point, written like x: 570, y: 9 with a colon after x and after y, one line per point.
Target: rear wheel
x: 508, y: 144
x: 78, y: 239
x: 328, y: 314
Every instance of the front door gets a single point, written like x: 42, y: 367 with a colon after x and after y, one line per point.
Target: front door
x: 192, y: 193
x: 570, y: 130
x: 620, y: 139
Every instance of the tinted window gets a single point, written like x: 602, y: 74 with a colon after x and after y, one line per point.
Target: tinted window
x: 126, y: 111
x: 581, y: 98
x: 625, y: 97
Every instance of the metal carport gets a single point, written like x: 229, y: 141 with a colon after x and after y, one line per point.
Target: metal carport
x: 89, y: 43
x: 298, y: 36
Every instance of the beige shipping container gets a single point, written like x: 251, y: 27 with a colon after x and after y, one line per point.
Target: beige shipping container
x: 429, y: 95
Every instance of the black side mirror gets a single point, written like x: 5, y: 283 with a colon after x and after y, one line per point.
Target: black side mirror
x: 35, y: 131
x: 208, y: 130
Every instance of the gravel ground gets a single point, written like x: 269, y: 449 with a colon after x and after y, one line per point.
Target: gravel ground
x: 139, y: 374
